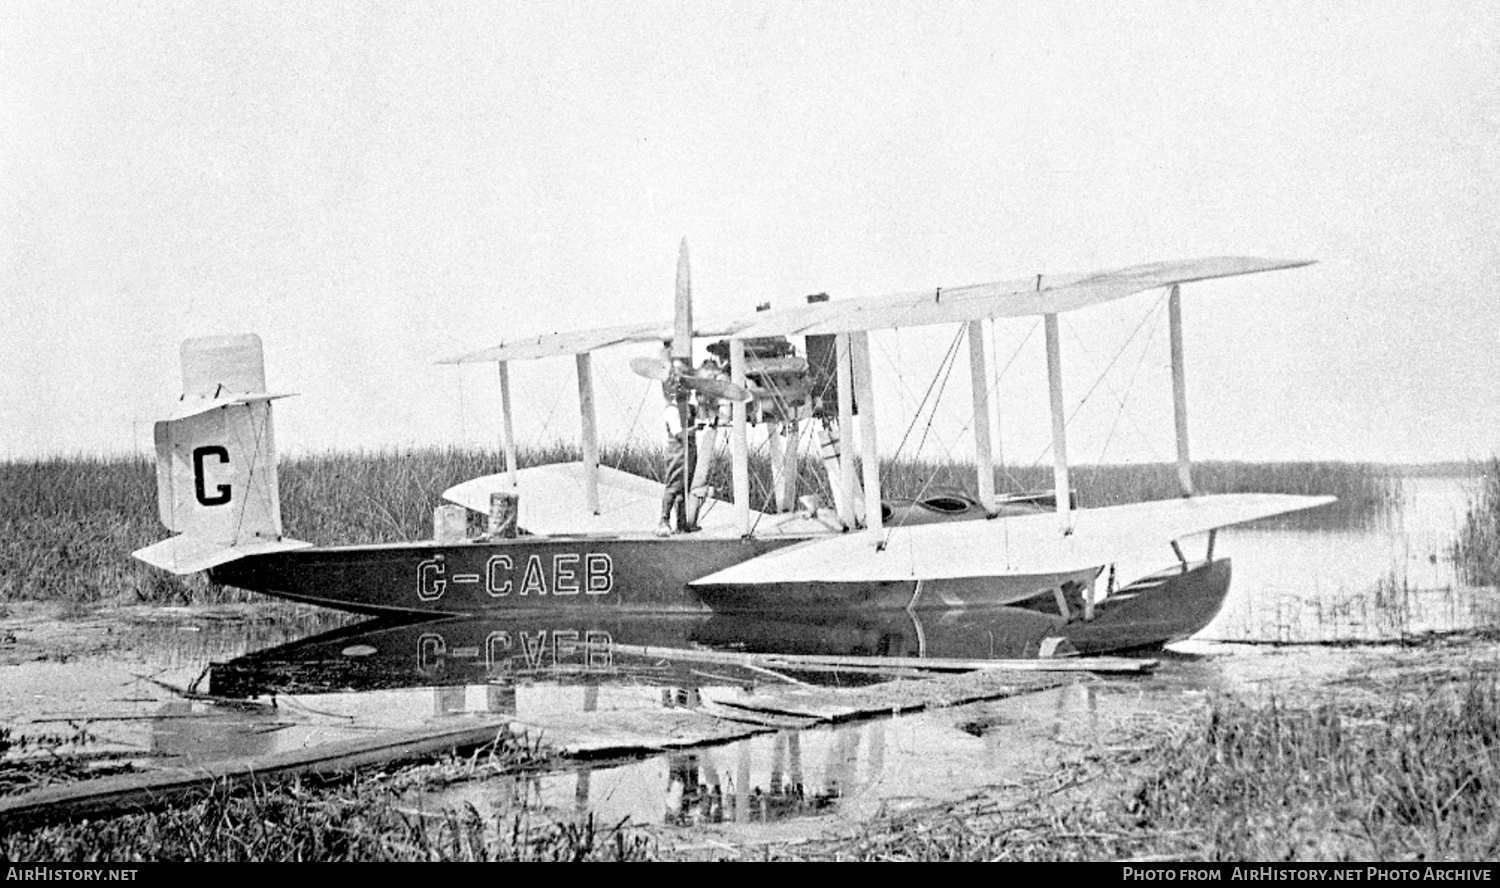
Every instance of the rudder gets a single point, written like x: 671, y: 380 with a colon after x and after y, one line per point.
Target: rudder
x: 216, y: 460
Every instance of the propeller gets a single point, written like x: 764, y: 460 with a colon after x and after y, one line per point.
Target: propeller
x: 662, y: 370
x: 678, y: 371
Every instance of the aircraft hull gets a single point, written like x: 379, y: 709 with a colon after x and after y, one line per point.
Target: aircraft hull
x: 582, y: 647
x: 605, y: 574
x: 527, y: 574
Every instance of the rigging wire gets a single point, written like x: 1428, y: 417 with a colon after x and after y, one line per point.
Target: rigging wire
x: 1154, y: 315
x: 917, y: 415
x: 619, y: 400
x: 1098, y: 381
x: 917, y: 412
x: 948, y: 374
x: 556, y: 400
x: 1129, y: 387
x: 944, y: 371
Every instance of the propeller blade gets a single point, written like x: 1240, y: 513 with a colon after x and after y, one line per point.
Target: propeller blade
x: 717, y: 388
x: 651, y: 368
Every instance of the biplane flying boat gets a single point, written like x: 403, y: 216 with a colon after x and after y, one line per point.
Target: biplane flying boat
x: 586, y: 539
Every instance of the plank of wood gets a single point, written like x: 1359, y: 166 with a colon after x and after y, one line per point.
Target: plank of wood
x: 1062, y: 664
x: 1124, y: 665
x: 835, y: 704
x: 633, y: 732
x: 754, y: 717
x: 141, y: 791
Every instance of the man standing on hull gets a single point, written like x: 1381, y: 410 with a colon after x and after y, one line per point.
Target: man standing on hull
x: 682, y: 456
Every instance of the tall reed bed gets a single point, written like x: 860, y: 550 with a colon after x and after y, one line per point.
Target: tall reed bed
x: 1477, y: 549
x: 67, y: 526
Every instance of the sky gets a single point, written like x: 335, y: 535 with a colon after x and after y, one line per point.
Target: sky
x: 372, y: 187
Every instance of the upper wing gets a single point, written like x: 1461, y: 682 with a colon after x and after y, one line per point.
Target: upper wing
x: 575, y: 342
x: 1037, y: 295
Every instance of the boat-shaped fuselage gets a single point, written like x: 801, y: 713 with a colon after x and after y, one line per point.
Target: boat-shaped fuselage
x: 630, y: 572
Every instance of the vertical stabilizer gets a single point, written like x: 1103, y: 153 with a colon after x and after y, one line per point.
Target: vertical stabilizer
x: 216, y: 474
x: 215, y: 366
x: 216, y: 460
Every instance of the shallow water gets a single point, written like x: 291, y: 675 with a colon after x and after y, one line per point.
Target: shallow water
x: 1386, y: 582
x: 1292, y: 584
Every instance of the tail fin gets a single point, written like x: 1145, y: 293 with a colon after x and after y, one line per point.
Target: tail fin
x: 216, y: 460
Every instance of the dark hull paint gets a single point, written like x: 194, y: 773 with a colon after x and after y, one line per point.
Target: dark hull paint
x: 640, y: 573
x: 1147, y: 614
x: 1158, y: 610
x: 591, y: 573
x: 579, y: 646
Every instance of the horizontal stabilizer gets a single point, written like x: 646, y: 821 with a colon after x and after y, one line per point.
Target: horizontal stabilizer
x: 552, y: 501
x: 1017, y: 546
x: 187, y: 407
x: 183, y: 554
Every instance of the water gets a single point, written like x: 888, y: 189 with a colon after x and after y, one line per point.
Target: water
x: 1387, y: 582
x: 1293, y: 583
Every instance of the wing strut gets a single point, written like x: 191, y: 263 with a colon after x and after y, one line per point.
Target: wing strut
x: 865, y: 394
x: 509, y: 440
x: 1059, y: 425
x: 845, y: 381
x: 1179, y: 391
x: 589, y: 431
x: 979, y: 381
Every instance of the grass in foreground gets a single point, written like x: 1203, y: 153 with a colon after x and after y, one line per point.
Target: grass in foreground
x: 1408, y: 776
x: 363, y: 817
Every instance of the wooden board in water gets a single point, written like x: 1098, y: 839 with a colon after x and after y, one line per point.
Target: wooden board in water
x: 890, y: 698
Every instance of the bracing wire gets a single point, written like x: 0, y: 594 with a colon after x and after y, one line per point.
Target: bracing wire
x: 618, y: 399
x: 556, y: 400
x: 1101, y: 378
x: 1129, y: 387
x: 917, y: 415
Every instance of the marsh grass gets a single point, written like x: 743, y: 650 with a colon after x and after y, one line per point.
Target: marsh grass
x: 1477, y: 550
x: 1416, y: 775
x: 1410, y: 773
x: 67, y: 526
x: 367, y: 815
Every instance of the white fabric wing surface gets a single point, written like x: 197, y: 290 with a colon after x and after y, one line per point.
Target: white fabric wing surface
x: 1022, y: 545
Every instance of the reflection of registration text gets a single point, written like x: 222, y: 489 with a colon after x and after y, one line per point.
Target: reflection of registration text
x: 505, y: 651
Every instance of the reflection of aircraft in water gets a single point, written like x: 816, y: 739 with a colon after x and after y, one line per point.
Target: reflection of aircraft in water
x: 384, y: 654
x: 597, y: 649
x: 703, y: 788
x: 589, y: 551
